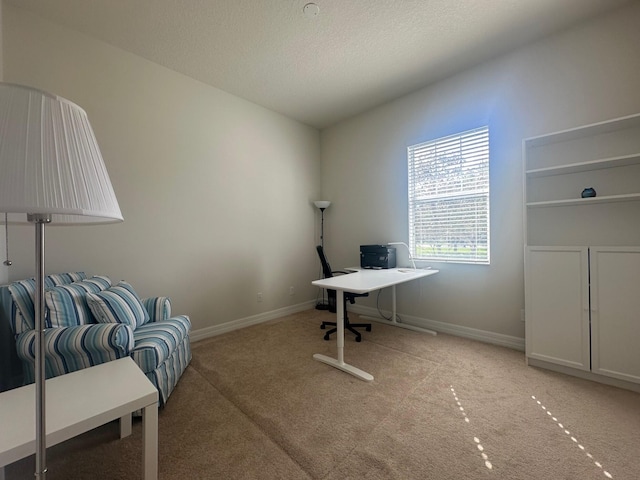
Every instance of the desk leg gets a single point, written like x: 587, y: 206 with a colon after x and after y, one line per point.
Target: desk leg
x: 339, y: 362
x: 340, y: 326
x: 394, y: 314
x: 150, y: 442
x: 394, y: 317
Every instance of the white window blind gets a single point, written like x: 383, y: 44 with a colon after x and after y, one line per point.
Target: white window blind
x: 449, y: 198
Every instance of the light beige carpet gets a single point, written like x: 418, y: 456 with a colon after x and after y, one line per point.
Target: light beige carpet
x: 253, y: 404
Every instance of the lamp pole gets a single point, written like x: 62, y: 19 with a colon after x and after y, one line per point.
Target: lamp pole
x: 41, y: 436
x: 322, y: 227
x: 322, y: 205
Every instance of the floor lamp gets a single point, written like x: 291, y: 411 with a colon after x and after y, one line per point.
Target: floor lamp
x: 51, y: 171
x: 322, y: 205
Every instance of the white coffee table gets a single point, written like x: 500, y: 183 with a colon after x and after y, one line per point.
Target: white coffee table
x: 78, y: 402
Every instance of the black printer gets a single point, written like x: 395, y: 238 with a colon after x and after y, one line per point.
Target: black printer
x: 377, y: 256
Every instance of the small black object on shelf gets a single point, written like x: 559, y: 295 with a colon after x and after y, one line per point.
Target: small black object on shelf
x: 588, y: 192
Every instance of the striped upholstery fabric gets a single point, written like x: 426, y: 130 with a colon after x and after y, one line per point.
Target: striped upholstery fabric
x: 18, y: 322
x: 166, y: 376
x: 163, y: 351
x: 73, y: 348
x: 156, y: 341
x: 67, y: 304
x: 118, y: 304
x: 23, y: 294
x: 158, y: 308
x: 100, y: 281
x: 64, y: 278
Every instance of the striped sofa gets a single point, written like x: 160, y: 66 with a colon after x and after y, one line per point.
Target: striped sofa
x: 89, y: 321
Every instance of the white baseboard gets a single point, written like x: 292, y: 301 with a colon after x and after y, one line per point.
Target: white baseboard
x: 533, y: 362
x: 508, y: 341
x: 207, y: 332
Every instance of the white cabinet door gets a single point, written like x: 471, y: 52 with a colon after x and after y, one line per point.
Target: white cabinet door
x: 615, y: 312
x: 557, y: 305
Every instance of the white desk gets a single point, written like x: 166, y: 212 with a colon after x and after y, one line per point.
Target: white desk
x: 78, y: 402
x: 363, y: 281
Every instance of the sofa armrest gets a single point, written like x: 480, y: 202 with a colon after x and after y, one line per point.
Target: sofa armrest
x: 159, y: 308
x: 68, y: 349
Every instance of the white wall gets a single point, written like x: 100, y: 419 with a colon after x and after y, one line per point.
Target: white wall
x: 216, y: 192
x: 587, y: 74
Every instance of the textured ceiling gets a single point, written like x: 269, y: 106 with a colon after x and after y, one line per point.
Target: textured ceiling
x: 354, y: 55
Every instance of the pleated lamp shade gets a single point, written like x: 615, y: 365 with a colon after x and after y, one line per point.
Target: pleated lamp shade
x: 50, y: 162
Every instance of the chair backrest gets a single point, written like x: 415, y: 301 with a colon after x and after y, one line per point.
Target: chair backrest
x: 326, y: 268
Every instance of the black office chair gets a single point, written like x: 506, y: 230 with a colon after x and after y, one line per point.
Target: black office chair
x: 348, y: 297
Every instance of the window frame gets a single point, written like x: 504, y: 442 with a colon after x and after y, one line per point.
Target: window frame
x: 460, y: 195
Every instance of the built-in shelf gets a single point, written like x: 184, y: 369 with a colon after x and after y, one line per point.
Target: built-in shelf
x: 579, y: 252
x: 599, y: 128
x: 615, y: 142
x: 622, y: 161
x: 631, y: 197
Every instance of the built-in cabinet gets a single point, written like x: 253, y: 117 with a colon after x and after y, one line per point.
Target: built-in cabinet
x: 615, y: 312
x: 582, y: 255
x: 556, y: 306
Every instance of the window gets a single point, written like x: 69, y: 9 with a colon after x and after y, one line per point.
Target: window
x: 449, y: 198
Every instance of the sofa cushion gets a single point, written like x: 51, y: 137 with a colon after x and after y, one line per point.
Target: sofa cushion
x: 159, y: 308
x: 118, y: 304
x: 64, y: 278
x: 23, y: 295
x: 155, y: 342
x: 67, y: 304
x: 18, y: 322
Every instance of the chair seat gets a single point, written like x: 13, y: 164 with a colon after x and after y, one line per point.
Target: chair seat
x: 349, y: 297
x: 156, y: 341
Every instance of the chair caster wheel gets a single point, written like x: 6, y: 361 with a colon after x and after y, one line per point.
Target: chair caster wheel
x: 368, y: 328
x: 326, y: 337
x: 322, y: 327
x: 358, y: 339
